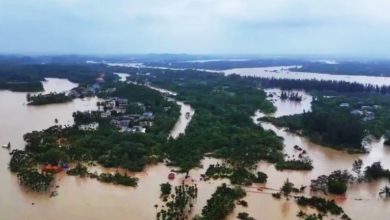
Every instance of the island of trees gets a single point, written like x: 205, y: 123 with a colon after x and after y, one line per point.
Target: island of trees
x: 50, y: 98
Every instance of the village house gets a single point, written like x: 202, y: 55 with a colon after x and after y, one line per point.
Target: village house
x: 365, y: 111
x: 148, y: 116
x: 89, y: 127
x: 105, y: 114
x: 344, y: 105
x: 357, y: 112
x: 121, y: 103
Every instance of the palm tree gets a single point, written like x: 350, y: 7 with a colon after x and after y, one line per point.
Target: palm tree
x: 386, y: 191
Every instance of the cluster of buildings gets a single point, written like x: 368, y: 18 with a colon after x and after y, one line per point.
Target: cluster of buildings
x: 112, y: 106
x: 90, y: 90
x: 115, y: 109
x: 133, y: 123
x: 364, y: 111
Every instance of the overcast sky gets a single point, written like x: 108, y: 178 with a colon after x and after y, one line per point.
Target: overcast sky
x: 195, y: 26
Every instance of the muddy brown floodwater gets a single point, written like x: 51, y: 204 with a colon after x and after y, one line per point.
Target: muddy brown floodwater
x: 362, y: 201
x: 88, y: 199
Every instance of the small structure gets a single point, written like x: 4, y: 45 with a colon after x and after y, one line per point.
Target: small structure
x: 366, y: 107
x: 357, y: 112
x: 344, y: 105
x: 368, y: 116
x: 7, y: 146
x: 148, y: 115
x: 171, y: 176
x: 105, y: 114
x: 146, y: 123
x: 89, y: 127
x: 52, y: 169
x: 139, y: 129
x: 122, y: 103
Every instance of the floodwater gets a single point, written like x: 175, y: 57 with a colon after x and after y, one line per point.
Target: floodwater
x: 362, y: 201
x: 17, y: 118
x: 186, y: 113
x: 284, y: 72
x: 88, y: 199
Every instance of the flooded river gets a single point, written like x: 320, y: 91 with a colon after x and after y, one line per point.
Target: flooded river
x: 284, y: 72
x: 88, y: 199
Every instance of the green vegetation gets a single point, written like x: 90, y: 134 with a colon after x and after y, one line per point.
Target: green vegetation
x: 322, y: 205
x: 304, y: 164
x: 221, y: 126
x: 387, y: 141
x: 28, y: 77
x: 261, y: 177
x: 21, y: 160
x: 337, y: 187
x: 118, y: 179
x: 239, y: 176
x: 179, y: 204
x: 336, y: 183
x: 221, y: 203
x: 78, y: 170
x: 342, y: 121
x: 22, y: 163
x: 376, y: 171
x: 287, y: 189
x: 244, y: 216
x: 305, y: 216
x: 44, y: 99
x: 34, y: 180
x: 165, y: 188
x: 313, y: 85
x: 106, y: 145
x: 22, y: 86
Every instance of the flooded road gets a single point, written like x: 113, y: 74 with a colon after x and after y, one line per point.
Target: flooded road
x: 186, y: 113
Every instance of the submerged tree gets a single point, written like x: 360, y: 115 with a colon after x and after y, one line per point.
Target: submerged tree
x: 179, y: 203
x: 385, y: 192
x: 357, y: 168
x: 287, y: 188
x: 34, y: 180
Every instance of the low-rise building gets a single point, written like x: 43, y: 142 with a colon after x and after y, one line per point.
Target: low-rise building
x: 148, y: 116
x: 357, y: 112
x: 89, y: 127
x: 105, y: 114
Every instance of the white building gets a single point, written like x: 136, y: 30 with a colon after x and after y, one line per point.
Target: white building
x: 89, y: 127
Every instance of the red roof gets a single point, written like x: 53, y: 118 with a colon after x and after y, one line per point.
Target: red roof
x: 50, y: 168
x: 171, y: 176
